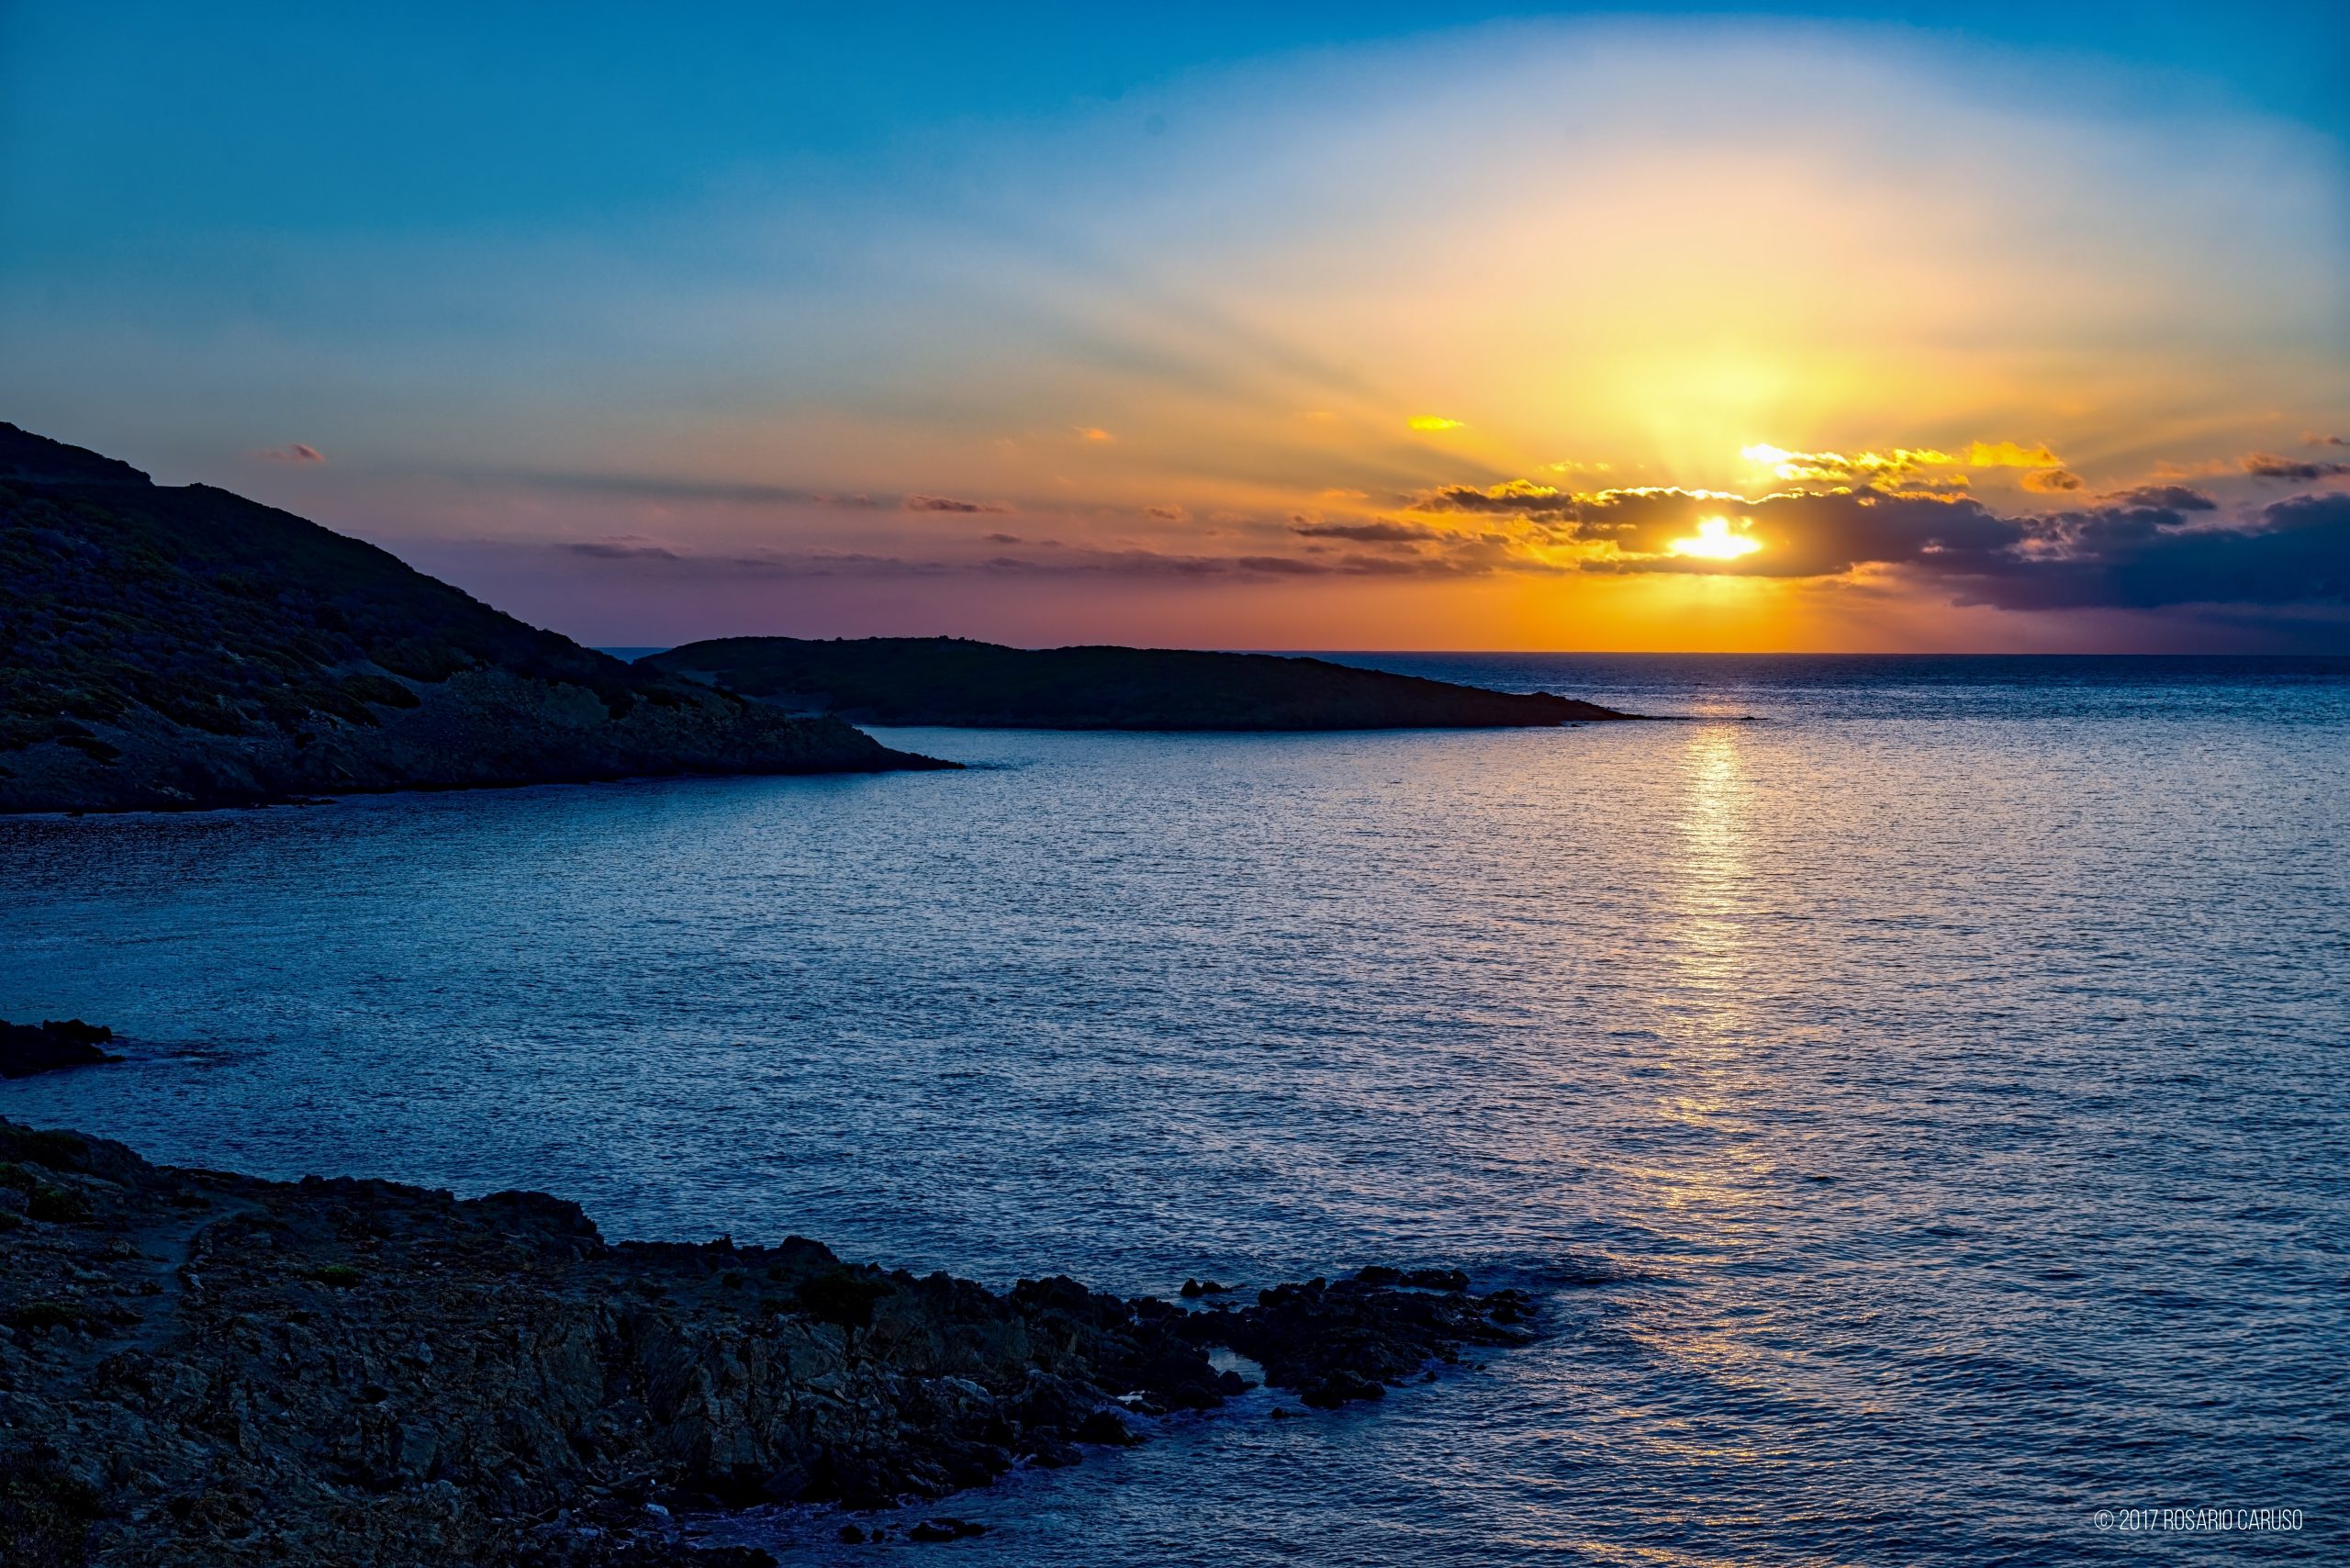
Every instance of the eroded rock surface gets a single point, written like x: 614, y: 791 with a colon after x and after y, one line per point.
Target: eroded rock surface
x: 198, y: 1368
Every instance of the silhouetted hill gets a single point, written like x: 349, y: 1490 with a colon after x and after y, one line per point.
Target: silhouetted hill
x: 175, y: 647
x: 951, y: 680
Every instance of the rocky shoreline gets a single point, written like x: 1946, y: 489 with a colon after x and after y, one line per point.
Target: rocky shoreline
x: 198, y: 1368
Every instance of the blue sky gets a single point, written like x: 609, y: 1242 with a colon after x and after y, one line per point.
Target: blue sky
x: 125, y: 119
x: 131, y: 124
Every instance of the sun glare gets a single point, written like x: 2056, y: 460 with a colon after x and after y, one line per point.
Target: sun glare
x: 1715, y: 542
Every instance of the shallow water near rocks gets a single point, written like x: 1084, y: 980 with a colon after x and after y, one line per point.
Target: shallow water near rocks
x: 1922, y: 1111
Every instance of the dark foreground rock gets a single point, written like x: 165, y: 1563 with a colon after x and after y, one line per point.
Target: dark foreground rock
x: 198, y: 1368
x: 175, y: 647
x: 955, y: 682
x: 29, y: 1049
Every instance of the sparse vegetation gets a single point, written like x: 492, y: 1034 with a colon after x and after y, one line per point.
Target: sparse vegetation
x: 44, y: 1512
x: 36, y: 1315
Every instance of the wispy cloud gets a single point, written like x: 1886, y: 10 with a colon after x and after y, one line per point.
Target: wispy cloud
x: 2268, y: 465
x: 624, y: 548
x: 293, y: 452
x: 949, y: 504
x: 665, y: 488
x: 1383, y: 530
x: 2166, y: 498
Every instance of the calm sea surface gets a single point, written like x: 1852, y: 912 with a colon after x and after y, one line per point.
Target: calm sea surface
x: 1923, y: 1109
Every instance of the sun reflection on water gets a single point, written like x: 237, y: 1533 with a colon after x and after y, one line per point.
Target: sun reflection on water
x: 1713, y: 1163
x: 1710, y: 942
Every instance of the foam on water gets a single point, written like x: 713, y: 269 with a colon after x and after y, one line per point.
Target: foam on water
x: 1923, y: 1110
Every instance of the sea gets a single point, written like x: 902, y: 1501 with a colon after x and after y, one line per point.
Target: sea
x: 1918, y: 1089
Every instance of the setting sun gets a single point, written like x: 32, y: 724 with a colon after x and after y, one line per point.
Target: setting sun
x: 1715, y: 542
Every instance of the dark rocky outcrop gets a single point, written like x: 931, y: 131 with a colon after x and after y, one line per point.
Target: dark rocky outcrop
x: 29, y: 1049
x: 174, y: 647
x: 206, y: 1368
x: 951, y: 680
x: 1333, y: 1343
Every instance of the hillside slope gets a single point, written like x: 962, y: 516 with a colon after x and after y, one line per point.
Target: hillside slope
x: 173, y: 647
x: 951, y: 680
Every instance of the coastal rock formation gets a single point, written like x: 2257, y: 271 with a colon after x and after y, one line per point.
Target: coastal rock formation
x: 185, y: 647
x: 951, y: 680
x: 206, y: 1368
x: 29, y: 1049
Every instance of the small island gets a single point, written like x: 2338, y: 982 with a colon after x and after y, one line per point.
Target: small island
x: 956, y: 682
x: 178, y: 647
x: 198, y: 1367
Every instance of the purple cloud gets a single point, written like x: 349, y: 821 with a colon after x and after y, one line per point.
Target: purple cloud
x: 948, y: 503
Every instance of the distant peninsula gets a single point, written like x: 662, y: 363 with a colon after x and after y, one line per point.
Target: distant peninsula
x: 957, y: 682
x: 174, y: 647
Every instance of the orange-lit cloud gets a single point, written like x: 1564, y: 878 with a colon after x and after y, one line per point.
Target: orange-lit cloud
x: 2008, y: 454
x: 1903, y: 463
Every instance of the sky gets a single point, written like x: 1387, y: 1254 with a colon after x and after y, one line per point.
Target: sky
x: 2024, y: 327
